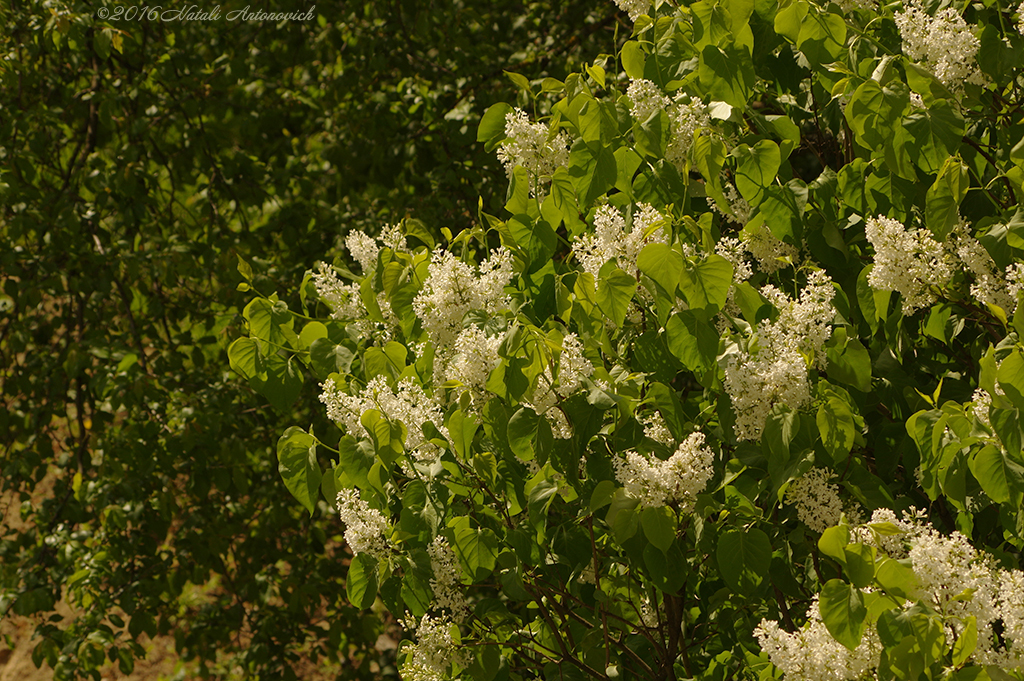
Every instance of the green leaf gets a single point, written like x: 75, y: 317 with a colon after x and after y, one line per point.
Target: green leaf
x: 535, y: 237
x: 388, y: 436
x: 783, y: 214
x: 860, y: 564
x: 850, y: 364
x: 833, y: 542
x: 244, y: 268
x: 476, y: 548
x: 706, y: 285
x: 592, y: 169
x: 727, y: 74
x: 998, y: 475
x: 822, y: 37
x: 843, y: 612
x: 615, y: 290
x: 942, y: 203
x: 602, y: 495
x: 692, y: 340
x: 1011, y: 377
x: 652, y: 136
x: 659, y: 526
x: 744, y: 559
x: 282, y: 383
x: 633, y: 59
x: 492, y: 126
x: 461, y: 429
x: 361, y: 581
x: 836, y: 425
x: 966, y: 642
x: 937, y: 132
x: 296, y: 456
x: 244, y: 356
x: 529, y: 434
x: 271, y: 321
x: 896, y: 578
x: 327, y: 357
x: 873, y: 113
x: 757, y: 168
x: 662, y: 264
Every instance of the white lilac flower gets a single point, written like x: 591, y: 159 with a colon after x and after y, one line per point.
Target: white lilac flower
x: 1020, y: 18
x: 573, y: 367
x: 908, y: 261
x: 476, y: 355
x: 611, y: 241
x: 646, y: 98
x: 635, y: 8
x: 363, y: 248
x: 433, y: 652
x: 676, y: 480
x: 943, y: 43
x: 449, y: 594
x: 366, y: 529
x: 532, y: 146
x: 811, y: 654
x: 774, y: 369
x: 816, y: 499
x: 739, y: 209
x: 453, y: 288
x: 409, y: 404
x: 771, y: 253
x: 688, y: 117
x: 989, y: 287
x: 656, y: 429
x: 343, y: 299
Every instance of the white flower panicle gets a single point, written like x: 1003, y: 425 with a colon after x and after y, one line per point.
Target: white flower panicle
x: 1020, y: 18
x: 409, y: 404
x: 774, y: 370
x: 676, y: 480
x: 907, y: 261
x: 739, y: 209
x: 366, y: 529
x: 771, y: 253
x: 452, y: 289
x: 816, y: 499
x: 944, y: 43
x: 635, y: 8
x: 656, y: 429
x: 363, y: 248
x: 688, y: 117
x: 811, y: 654
x: 476, y: 355
x: 610, y: 239
x: 433, y: 652
x: 343, y: 299
x: 735, y: 251
x: 532, y: 146
x: 646, y: 98
x: 990, y: 286
x: 449, y: 594
x: 573, y: 367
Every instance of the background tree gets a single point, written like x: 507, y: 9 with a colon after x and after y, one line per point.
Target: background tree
x: 143, y: 157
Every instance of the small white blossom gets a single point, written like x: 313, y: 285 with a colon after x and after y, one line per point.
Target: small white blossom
x: 363, y: 248
x: 771, y: 253
x: 573, y: 367
x: 646, y: 98
x: 447, y: 580
x: 907, y: 261
x: 366, y: 529
x: 409, y: 404
x: 989, y: 287
x: 343, y: 299
x: 453, y: 288
x: 656, y: 429
x: 1020, y: 18
x: 532, y: 146
x: 816, y: 500
x: 635, y: 8
x: 434, y: 651
x: 476, y: 355
x: 943, y: 43
x: 676, y: 480
x: 688, y: 117
x: 739, y: 209
x: 610, y: 239
x: 811, y: 654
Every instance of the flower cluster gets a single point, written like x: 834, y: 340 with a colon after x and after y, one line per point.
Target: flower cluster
x: 343, y: 299
x: 771, y: 254
x: 811, y: 654
x: 532, y: 146
x: 452, y: 289
x: 635, y: 8
x: 366, y: 529
x: 739, y: 209
x: 646, y: 99
x: 816, y: 499
x: 446, y: 583
x: 773, y: 370
x: 1020, y: 18
x: 573, y: 367
x: 476, y: 355
x: 944, y: 43
x: 686, y: 116
x: 611, y: 240
x: 434, y: 650
x: 907, y: 261
x: 990, y: 286
x: 409, y: 405
x: 676, y: 480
